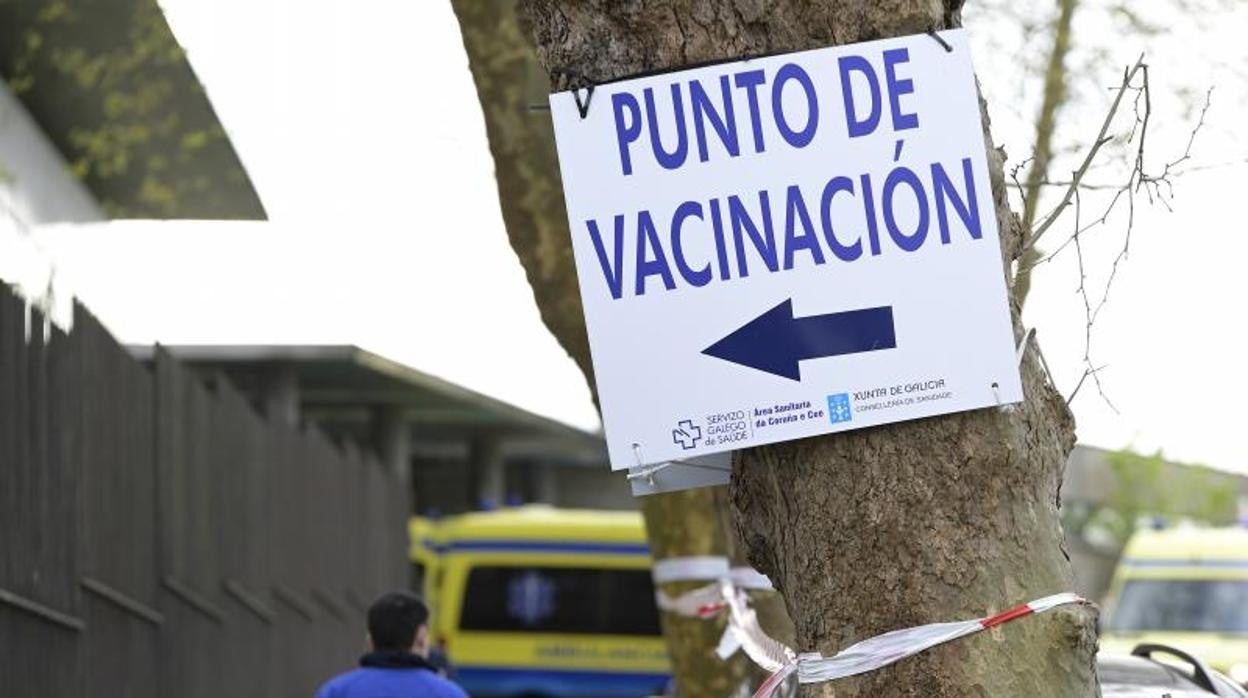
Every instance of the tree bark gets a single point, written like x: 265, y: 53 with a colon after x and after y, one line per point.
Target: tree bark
x: 692, y: 641
x: 867, y: 531
x: 513, y: 90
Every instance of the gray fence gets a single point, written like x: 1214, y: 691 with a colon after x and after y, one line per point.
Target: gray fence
x: 160, y: 538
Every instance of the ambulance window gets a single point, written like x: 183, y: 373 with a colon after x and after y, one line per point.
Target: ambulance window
x: 590, y: 601
x: 1219, y: 606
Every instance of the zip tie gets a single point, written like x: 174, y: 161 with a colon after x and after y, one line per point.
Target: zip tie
x: 707, y: 568
x: 648, y: 473
x: 750, y: 578
x: 701, y: 568
x: 642, y: 472
x: 727, y: 590
x: 1021, y: 351
x: 1047, y: 373
x: 882, y: 650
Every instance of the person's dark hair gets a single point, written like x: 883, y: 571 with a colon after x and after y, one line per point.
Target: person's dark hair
x: 393, y: 620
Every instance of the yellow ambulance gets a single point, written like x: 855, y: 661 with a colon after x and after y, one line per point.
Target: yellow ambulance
x: 539, y: 601
x: 1184, y: 587
x: 423, y: 555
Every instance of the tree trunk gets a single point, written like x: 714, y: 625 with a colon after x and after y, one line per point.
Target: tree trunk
x: 863, y: 532
x: 692, y: 641
x: 1055, y: 94
x: 513, y: 90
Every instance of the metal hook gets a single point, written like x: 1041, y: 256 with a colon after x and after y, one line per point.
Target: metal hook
x: 583, y: 107
x: 577, y: 77
x: 643, y: 472
x: 648, y: 473
x: 940, y: 40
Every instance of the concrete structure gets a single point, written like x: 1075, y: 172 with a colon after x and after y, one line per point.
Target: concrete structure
x: 458, y: 449
x: 111, y: 89
x: 35, y: 187
x: 63, y: 113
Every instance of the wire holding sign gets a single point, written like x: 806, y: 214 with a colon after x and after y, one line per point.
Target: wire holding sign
x: 668, y: 476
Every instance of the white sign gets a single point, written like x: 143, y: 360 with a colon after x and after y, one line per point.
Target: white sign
x: 788, y: 246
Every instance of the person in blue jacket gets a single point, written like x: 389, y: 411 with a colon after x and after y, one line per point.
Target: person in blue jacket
x: 398, y: 629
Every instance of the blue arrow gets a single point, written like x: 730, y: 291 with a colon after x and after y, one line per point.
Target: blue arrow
x: 775, y: 341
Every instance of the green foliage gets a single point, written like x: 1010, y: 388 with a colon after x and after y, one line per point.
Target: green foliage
x: 1148, y: 485
x: 137, y: 111
x: 110, y: 84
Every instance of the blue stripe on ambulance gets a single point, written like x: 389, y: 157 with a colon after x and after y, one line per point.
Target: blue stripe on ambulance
x: 509, y: 681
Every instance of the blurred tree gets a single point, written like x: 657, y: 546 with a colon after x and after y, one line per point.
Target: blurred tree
x: 512, y: 91
x: 1066, y: 48
x: 1055, y: 76
x: 1149, y: 486
x: 876, y: 529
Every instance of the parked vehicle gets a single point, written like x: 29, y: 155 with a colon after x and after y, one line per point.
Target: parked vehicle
x: 1185, y: 588
x: 538, y: 601
x: 1141, y: 675
x: 423, y: 556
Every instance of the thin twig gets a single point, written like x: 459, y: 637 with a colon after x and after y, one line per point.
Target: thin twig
x: 1158, y: 188
x: 1101, y: 139
x: 1086, y: 372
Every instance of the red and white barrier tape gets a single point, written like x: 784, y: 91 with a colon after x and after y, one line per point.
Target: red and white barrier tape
x: 698, y: 568
x: 765, y: 651
x: 882, y: 650
x: 726, y: 590
x: 705, y: 601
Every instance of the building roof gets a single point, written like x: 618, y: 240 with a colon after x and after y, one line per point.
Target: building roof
x: 341, y: 386
x: 111, y: 87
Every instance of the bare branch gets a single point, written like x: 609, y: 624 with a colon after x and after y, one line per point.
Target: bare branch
x: 1089, y: 313
x: 1022, y: 189
x: 1157, y: 188
x: 1101, y: 139
x: 1067, y: 183
x: 1093, y: 373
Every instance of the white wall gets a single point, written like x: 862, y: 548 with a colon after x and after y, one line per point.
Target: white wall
x: 36, y: 187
